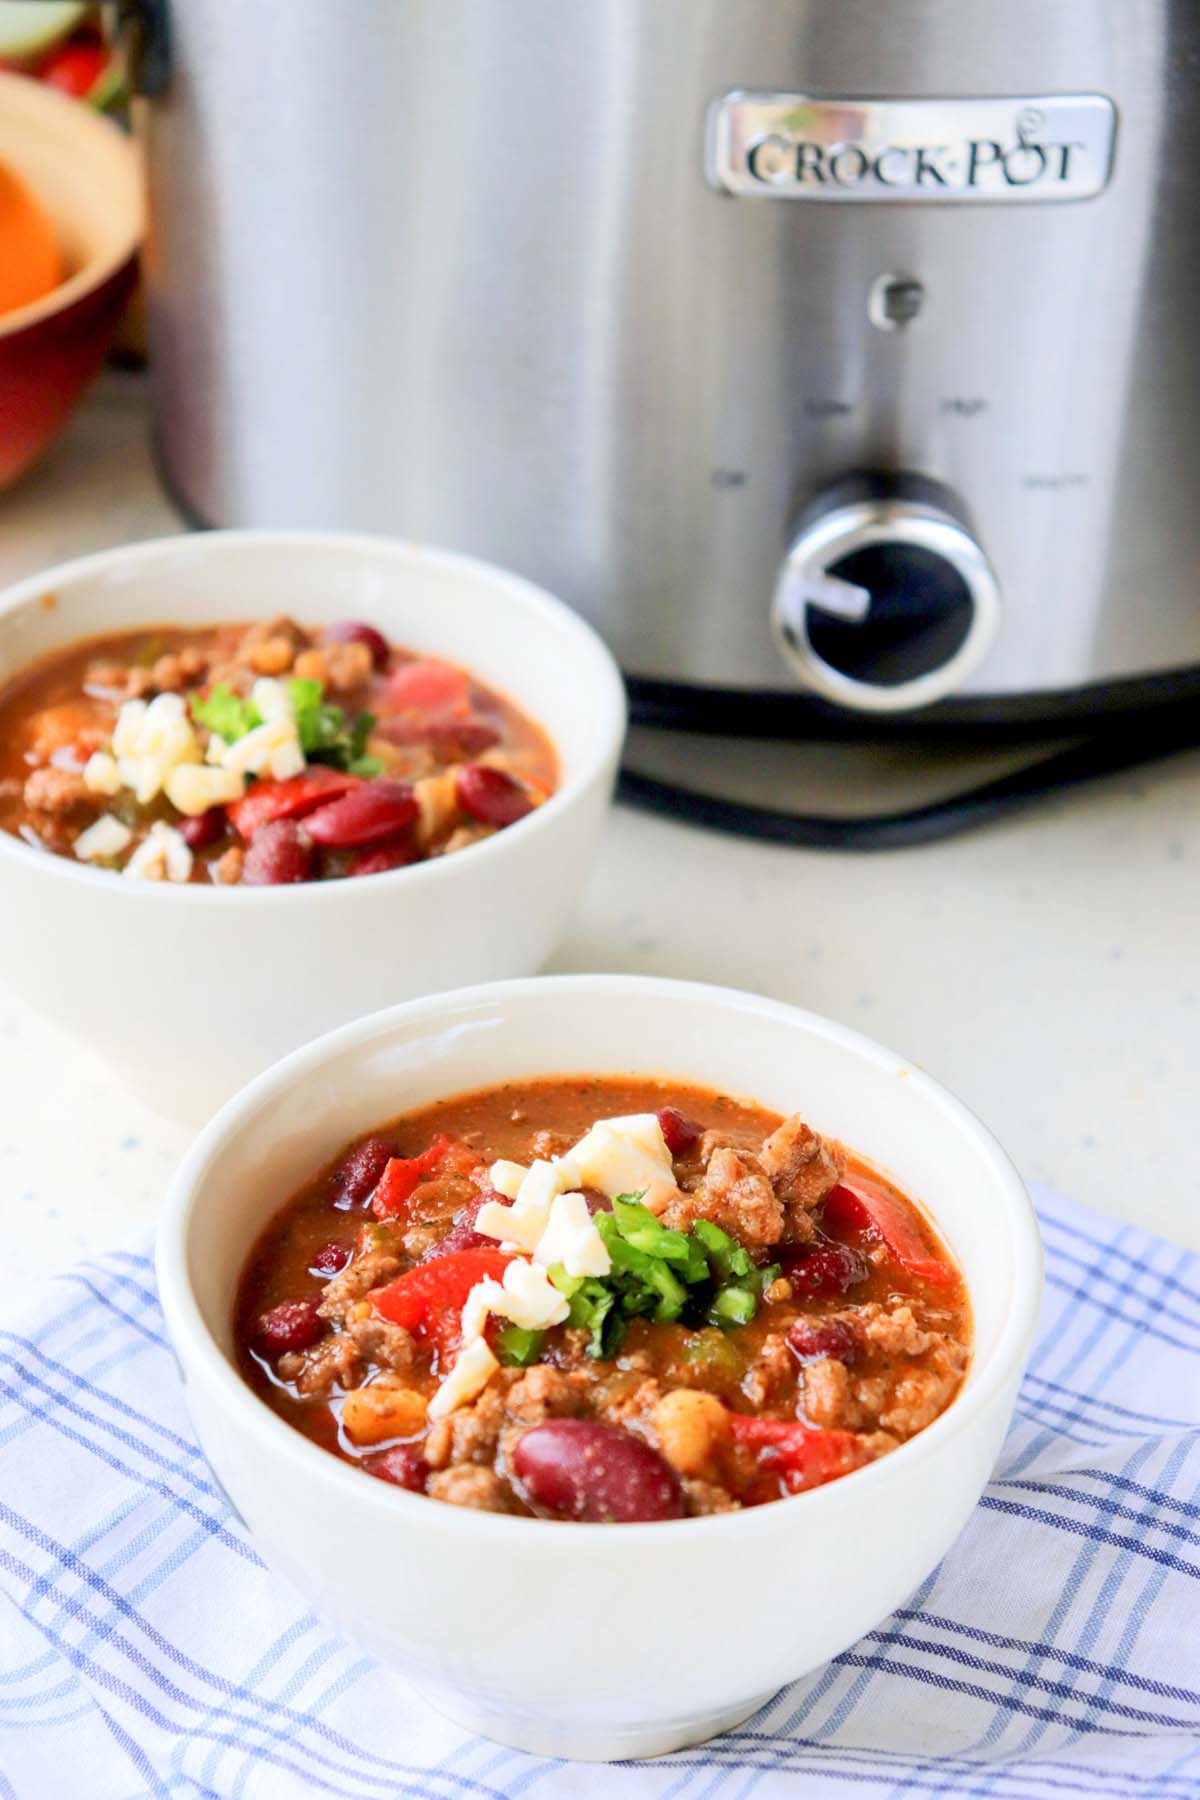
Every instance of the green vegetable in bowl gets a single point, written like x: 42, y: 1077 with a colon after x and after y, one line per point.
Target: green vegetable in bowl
x: 697, y: 1276
x: 323, y: 732
x: 325, y: 736
x: 517, y: 1346
x: 226, y: 713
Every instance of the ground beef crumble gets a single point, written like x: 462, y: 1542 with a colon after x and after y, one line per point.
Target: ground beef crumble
x: 734, y: 1194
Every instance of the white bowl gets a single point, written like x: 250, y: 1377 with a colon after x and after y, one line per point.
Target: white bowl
x: 597, y: 1641
x: 188, y: 991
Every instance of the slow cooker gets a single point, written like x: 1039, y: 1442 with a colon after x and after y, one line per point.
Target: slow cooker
x: 839, y: 362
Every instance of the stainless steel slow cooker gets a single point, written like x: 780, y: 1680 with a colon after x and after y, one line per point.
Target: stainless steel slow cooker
x: 809, y: 347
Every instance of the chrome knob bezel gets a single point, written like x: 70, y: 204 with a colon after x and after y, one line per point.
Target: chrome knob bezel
x: 805, y: 581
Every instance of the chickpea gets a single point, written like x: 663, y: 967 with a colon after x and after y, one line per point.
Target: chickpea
x: 310, y: 665
x: 228, y: 867
x: 349, y: 665
x: 273, y: 657
x: 168, y: 674
x: 382, y: 1409
x: 436, y: 795
x: 692, y: 1429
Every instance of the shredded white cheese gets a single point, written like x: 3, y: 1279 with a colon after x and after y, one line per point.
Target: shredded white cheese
x: 571, y: 1238
x: 192, y: 788
x: 101, y: 775
x: 470, y: 1375
x: 162, y: 855
x: 107, y: 837
x: 622, y: 1156
x: 506, y: 1177
x: 151, y: 740
x: 268, y: 749
x: 526, y: 1296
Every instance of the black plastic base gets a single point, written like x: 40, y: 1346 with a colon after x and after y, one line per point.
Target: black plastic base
x: 1095, y: 712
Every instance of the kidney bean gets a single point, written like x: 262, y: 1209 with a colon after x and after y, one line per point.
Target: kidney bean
x: 490, y: 795
x: 682, y: 1134
x: 357, y: 1175
x: 292, y: 1325
x: 811, y: 1339
x: 583, y: 1469
x: 382, y: 857
x: 448, y: 738
x: 203, y: 829
x: 826, y: 1268
x: 277, y: 855
x: 330, y: 1260
x: 462, y: 1234
x: 596, y: 1201
x: 375, y: 810
x: 353, y: 631
x: 400, y: 1465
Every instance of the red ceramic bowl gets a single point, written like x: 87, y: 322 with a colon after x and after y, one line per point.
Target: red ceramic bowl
x: 85, y: 173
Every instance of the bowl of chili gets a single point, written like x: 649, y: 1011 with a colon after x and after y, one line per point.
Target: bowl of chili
x: 543, y: 1606
x: 255, y: 784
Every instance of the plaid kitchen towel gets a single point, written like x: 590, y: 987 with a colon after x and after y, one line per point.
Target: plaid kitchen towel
x: 145, y: 1651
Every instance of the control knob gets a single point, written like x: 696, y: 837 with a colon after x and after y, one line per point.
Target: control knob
x: 885, y: 601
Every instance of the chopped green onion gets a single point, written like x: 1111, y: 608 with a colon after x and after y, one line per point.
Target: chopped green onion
x: 322, y: 729
x: 702, y: 1275
x: 733, y: 1306
x: 225, y: 713
x: 727, y: 1257
x: 360, y: 731
x: 517, y: 1346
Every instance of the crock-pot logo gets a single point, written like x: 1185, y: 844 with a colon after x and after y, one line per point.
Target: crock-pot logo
x: 799, y: 148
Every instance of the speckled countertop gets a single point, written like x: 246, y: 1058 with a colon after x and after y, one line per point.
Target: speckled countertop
x: 1047, y: 968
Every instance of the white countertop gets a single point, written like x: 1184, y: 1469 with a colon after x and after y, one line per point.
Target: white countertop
x: 1046, y: 968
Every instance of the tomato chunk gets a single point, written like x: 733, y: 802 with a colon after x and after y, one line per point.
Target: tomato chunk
x: 872, y: 1210
x: 269, y: 800
x: 429, y: 687
x: 404, y: 1174
x: 798, y: 1456
x: 429, y: 1299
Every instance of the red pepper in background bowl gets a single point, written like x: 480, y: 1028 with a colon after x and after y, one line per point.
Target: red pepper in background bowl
x: 270, y: 800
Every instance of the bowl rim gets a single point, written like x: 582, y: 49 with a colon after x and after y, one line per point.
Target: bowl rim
x: 536, y: 602
x: 309, y: 1461
x: 97, y: 270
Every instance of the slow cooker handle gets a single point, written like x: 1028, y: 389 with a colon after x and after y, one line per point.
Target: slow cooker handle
x: 144, y: 27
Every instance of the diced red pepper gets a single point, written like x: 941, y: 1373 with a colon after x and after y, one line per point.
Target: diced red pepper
x: 428, y: 687
x: 405, y: 1174
x: 270, y: 800
x: 798, y: 1456
x: 429, y: 1299
x: 875, y: 1212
